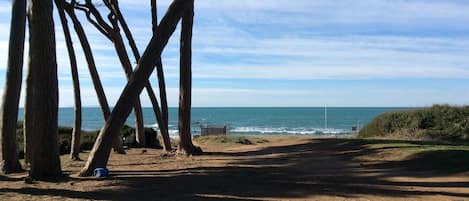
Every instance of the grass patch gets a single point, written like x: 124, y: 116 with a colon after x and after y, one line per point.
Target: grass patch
x: 420, y: 155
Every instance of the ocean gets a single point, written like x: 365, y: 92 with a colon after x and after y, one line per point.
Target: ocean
x: 252, y: 121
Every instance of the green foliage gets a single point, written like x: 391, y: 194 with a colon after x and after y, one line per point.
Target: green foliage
x: 127, y: 131
x: 87, y: 138
x: 441, y: 122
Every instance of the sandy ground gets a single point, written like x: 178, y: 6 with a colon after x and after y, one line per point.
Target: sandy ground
x: 285, y: 168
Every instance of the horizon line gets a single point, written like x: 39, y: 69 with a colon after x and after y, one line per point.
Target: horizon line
x: 149, y: 107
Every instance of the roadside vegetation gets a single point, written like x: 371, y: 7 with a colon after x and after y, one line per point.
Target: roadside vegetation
x: 439, y: 122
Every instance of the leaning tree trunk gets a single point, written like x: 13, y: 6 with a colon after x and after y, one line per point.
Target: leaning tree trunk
x: 159, y: 66
x: 41, y: 116
x: 161, y: 115
x: 100, y: 153
x: 113, y: 33
x: 138, y: 113
x: 185, y: 84
x: 127, y: 66
x: 76, y: 132
x: 9, y: 111
x: 117, y: 142
x: 161, y: 82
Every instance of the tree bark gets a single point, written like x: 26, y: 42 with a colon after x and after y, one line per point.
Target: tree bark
x: 162, y: 118
x: 161, y: 82
x: 154, y: 16
x: 185, y: 84
x: 41, y: 115
x: 76, y: 132
x: 127, y: 66
x: 113, y: 33
x: 100, y: 153
x: 9, y: 110
x: 117, y: 142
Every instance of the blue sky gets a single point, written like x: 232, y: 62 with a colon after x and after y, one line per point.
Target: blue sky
x: 295, y: 53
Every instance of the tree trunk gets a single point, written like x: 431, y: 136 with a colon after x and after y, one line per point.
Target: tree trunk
x: 41, y: 115
x: 112, y: 32
x: 9, y: 111
x: 117, y: 142
x: 100, y: 153
x: 185, y: 84
x: 76, y: 132
x: 162, y: 118
x: 161, y: 82
x: 154, y: 16
x: 127, y: 66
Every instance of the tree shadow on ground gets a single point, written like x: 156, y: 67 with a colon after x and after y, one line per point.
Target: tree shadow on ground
x: 326, y: 167
x: 5, y: 178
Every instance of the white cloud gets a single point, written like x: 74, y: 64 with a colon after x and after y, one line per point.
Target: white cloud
x: 341, y: 72
x: 346, y: 57
x: 5, y: 7
x: 317, y: 96
x: 337, y: 12
x: 289, y: 40
x: 3, y: 54
x: 314, y: 96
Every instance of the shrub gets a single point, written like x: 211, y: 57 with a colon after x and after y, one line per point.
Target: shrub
x: 442, y: 122
x: 87, y: 138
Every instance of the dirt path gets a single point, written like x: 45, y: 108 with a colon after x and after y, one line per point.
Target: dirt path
x: 285, y: 168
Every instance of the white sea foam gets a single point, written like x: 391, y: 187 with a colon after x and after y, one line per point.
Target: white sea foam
x: 174, y: 132
x: 154, y: 126
x: 291, y: 131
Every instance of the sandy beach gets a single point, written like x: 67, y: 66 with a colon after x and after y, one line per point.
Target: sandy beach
x: 272, y: 168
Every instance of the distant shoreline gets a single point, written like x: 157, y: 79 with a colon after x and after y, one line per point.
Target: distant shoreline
x: 247, y: 120
x: 271, y: 107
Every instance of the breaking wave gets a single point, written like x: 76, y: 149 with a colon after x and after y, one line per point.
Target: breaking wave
x: 290, y: 131
x: 173, y: 131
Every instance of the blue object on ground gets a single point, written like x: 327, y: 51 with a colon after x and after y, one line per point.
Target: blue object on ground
x: 101, y: 172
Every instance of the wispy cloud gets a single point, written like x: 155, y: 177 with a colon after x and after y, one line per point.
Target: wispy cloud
x: 4, y: 7
x: 290, y: 41
x: 314, y: 72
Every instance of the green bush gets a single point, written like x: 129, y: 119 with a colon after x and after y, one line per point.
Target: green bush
x: 441, y: 122
x: 128, y: 133
x: 87, y: 138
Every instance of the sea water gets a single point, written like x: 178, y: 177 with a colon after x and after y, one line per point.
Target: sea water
x: 331, y: 121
